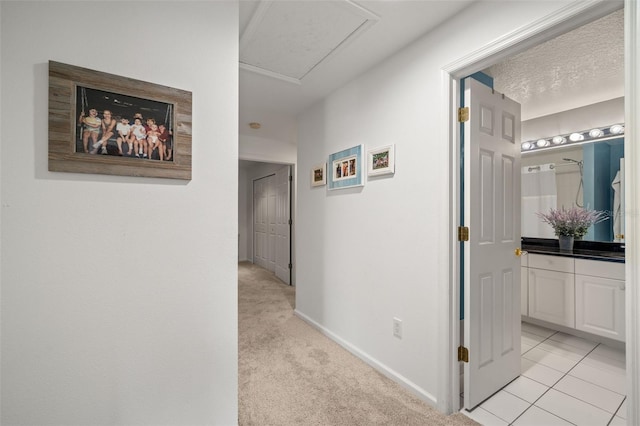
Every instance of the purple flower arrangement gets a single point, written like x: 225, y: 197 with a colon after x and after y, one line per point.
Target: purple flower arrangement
x: 573, y: 222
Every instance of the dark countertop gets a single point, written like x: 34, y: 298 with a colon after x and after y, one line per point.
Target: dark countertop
x: 593, y: 250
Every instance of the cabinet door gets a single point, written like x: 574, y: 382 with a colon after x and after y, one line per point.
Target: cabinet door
x: 551, y: 296
x: 600, y: 306
x: 524, y: 291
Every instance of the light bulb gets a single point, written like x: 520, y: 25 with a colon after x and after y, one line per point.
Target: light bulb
x: 617, y: 129
x: 596, y: 133
x: 575, y: 137
x: 542, y: 142
x: 527, y: 145
x: 558, y: 140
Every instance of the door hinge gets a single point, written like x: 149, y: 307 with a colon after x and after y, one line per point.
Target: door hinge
x: 463, y: 114
x: 290, y: 178
x: 463, y: 233
x: 290, y: 222
x: 290, y: 266
x: 463, y: 354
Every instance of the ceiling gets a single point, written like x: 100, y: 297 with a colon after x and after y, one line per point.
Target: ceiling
x: 295, y: 52
x: 579, y: 68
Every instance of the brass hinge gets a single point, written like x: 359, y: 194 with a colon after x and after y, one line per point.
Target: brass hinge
x: 463, y: 114
x: 463, y: 233
x: 463, y: 354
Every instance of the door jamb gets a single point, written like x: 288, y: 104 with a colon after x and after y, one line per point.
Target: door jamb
x: 571, y: 16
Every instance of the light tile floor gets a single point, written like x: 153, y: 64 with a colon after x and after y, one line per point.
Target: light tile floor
x: 565, y: 380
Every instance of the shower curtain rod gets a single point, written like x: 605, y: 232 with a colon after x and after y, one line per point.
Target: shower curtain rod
x: 551, y: 166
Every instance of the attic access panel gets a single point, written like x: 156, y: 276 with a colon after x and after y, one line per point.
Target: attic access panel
x: 288, y: 39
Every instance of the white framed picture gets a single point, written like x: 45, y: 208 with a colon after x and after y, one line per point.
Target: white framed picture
x: 381, y: 161
x: 319, y: 175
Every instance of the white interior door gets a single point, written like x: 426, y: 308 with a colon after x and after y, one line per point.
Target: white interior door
x: 283, y: 246
x: 271, y: 223
x: 260, y: 223
x: 491, y: 267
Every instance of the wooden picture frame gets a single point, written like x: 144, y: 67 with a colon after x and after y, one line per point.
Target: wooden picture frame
x: 319, y: 175
x: 85, y: 141
x: 346, y: 168
x: 381, y: 161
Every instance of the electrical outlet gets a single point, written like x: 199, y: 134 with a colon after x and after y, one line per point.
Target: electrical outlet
x: 397, y: 328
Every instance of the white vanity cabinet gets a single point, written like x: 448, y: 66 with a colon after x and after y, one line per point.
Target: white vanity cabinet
x: 600, y: 294
x: 551, y: 289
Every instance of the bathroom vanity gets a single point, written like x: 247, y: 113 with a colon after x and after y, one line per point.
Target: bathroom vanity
x: 582, y: 289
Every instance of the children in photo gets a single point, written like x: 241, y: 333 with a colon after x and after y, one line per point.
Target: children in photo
x: 154, y: 141
x: 139, y: 137
x: 123, y: 129
x: 91, y: 128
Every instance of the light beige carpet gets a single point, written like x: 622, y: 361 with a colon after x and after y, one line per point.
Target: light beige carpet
x: 290, y: 374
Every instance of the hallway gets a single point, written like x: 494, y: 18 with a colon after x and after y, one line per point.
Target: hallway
x: 290, y: 374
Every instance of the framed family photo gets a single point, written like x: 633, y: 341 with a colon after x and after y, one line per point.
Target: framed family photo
x: 107, y: 124
x: 346, y: 168
x: 381, y: 161
x: 319, y: 175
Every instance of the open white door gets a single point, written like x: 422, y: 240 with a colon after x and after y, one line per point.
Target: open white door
x: 283, y: 246
x: 271, y: 221
x: 260, y: 223
x: 491, y: 266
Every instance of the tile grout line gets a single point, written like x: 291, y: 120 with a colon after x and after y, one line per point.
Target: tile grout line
x: 557, y: 381
x: 564, y: 374
x: 545, y: 392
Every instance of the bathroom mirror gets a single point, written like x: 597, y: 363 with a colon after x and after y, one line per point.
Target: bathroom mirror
x: 588, y: 175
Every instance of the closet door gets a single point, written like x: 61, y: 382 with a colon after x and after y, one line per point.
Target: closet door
x: 283, y: 228
x: 260, y: 223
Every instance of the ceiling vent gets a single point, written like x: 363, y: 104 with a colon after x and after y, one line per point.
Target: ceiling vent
x: 288, y: 39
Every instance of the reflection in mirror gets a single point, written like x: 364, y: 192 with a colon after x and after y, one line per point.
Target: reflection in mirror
x: 587, y: 175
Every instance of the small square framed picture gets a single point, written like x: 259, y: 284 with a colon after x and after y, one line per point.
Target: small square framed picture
x: 319, y: 175
x: 381, y: 161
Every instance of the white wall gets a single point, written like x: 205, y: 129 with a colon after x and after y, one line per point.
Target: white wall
x: 369, y: 254
x: 119, y: 294
x: 573, y: 120
x: 268, y: 150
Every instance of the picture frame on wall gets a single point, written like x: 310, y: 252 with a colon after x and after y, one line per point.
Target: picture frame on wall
x: 319, y: 175
x: 381, y: 161
x: 107, y: 124
x: 346, y: 168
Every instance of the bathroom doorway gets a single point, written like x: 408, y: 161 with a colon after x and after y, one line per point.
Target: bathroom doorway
x: 573, y: 19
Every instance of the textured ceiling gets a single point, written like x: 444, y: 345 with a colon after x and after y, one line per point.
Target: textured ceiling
x: 275, y: 102
x: 287, y: 39
x: 578, y: 68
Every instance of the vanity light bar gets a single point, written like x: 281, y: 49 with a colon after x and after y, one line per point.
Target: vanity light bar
x: 599, y: 133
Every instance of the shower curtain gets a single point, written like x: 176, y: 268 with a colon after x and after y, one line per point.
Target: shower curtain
x: 539, y: 194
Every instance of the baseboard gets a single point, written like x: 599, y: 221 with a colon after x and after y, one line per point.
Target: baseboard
x: 383, y: 369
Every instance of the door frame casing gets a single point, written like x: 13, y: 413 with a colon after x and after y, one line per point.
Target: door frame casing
x: 569, y: 17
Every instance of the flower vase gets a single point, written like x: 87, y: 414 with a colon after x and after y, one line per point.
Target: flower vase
x: 565, y: 242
